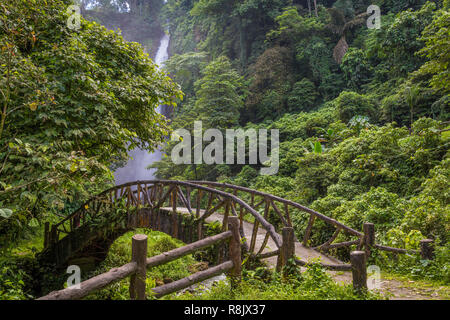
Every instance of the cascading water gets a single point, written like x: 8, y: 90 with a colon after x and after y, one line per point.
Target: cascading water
x: 135, y: 169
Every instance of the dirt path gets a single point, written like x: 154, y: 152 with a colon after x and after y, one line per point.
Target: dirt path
x: 397, y: 290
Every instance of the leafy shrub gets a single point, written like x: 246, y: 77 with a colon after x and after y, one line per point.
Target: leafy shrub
x: 12, y: 282
x: 313, y: 284
x: 120, y: 254
x: 350, y: 104
x: 303, y: 96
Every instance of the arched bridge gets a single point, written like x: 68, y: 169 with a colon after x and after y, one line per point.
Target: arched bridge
x: 183, y: 209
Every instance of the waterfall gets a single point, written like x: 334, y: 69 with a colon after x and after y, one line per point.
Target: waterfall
x: 135, y: 169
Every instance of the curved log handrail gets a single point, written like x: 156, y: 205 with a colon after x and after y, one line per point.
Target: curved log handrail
x: 264, y: 223
x: 287, y: 220
x: 151, y: 193
x: 284, y: 201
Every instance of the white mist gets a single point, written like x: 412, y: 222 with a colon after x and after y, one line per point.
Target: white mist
x: 135, y: 169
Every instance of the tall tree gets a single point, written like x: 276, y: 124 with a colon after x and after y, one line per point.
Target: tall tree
x: 219, y: 95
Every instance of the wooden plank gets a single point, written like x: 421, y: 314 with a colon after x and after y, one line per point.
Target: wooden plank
x: 139, y: 256
x: 343, y: 244
x: 224, y: 228
x: 254, y: 234
x: 268, y: 254
x: 174, y: 214
x: 138, y: 205
x: 289, y: 202
x: 235, y: 251
x: 187, y: 249
x: 210, y: 199
x: 241, y: 227
x: 184, y: 200
x: 199, y: 199
x: 163, y: 199
x: 286, y: 211
x: 188, y: 197
x: 266, y: 238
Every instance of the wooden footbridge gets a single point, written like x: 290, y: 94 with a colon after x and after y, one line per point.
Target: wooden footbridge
x: 185, y: 209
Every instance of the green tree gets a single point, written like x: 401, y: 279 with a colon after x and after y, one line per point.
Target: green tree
x: 350, y: 104
x: 356, y: 68
x: 303, y: 96
x: 73, y: 103
x: 437, y: 41
x: 219, y: 95
x: 186, y: 69
x: 402, y: 38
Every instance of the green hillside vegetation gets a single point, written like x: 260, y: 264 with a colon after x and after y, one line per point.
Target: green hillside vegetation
x: 363, y: 138
x: 363, y: 116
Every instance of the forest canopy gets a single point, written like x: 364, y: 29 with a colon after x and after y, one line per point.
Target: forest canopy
x: 363, y: 113
x: 73, y: 103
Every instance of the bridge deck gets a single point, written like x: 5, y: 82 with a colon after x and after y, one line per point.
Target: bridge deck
x: 302, y: 252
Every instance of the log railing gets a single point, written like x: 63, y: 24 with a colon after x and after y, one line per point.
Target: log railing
x: 365, y: 239
x: 157, y: 194
x: 136, y: 269
x: 203, y: 199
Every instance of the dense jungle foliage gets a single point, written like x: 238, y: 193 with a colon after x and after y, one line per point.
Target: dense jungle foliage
x: 73, y: 103
x: 363, y: 116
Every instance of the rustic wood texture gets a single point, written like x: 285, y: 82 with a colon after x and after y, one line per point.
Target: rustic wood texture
x: 287, y: 250
x: 153, y: 194
x: 308, y: 230
x: 188, y: 249
x: 328, y: 243
x: 93, y: 284
x: 138, y: 255
x: 369, y: 237
x: 137, y: 269
x: 235, y: 250
x: 359, y: 270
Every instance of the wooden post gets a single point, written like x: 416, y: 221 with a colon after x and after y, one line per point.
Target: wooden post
x: 369, y: 237
x: 287, y: 250
x: 235, y: 250
x: 359, y: 270
x: 221, y: 246
x: 139, y: 255
x: 46, y: 234
x: 174, y: 214
x: 426, y: 249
